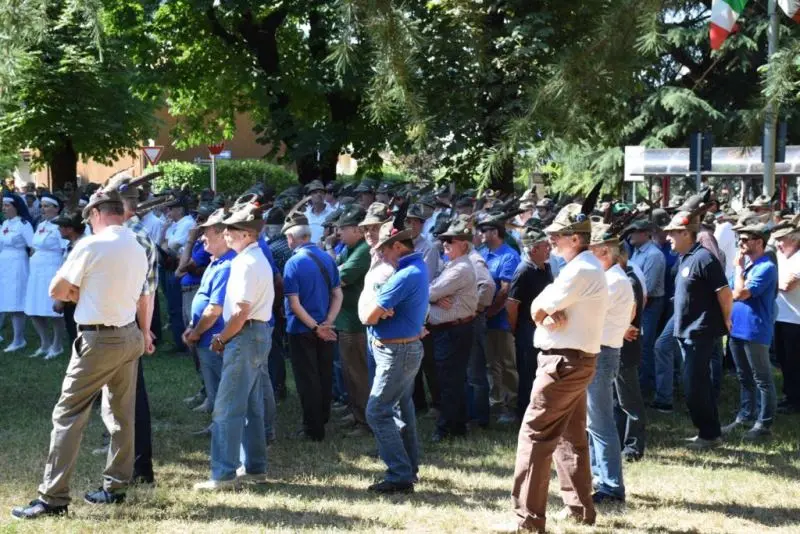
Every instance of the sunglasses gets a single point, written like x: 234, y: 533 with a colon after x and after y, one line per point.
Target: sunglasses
x: 447, y: 241
x: 744, y: 239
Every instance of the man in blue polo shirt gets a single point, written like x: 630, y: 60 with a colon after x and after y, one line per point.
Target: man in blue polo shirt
x: 313, y: 298
x: 206, y: 311
x: 395, y: 328
x: 502, y: 262
x: 703, y: 303
x: 755, y: 288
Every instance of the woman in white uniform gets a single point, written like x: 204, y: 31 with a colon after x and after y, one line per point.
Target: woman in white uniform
x: 16, y: 236
x: 48, y: 255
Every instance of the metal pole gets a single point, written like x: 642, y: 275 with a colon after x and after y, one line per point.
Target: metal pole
x: 698, y: 178
x: 768, y: 187
x: 633, y: 193
x: 213, y: 173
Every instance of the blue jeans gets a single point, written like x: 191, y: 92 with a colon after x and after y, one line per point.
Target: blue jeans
x: 478, y: 374
x: 237, y: 427
x: 697, y: 386
x: 174, y: 297
x: 339, y: 388
x: 268, y: 393
x: 756, y: 384
x: 211, y: 370
x: 277, y: 358
x: 370, y: 361
x: 651, y: 316
x: 604, y: 447
x: 396, y: 368
x: 665, y: 350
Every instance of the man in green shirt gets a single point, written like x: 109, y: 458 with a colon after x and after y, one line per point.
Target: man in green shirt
x: 353, y: 265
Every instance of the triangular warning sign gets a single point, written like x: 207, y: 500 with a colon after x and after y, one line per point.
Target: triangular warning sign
x: 152, y: 153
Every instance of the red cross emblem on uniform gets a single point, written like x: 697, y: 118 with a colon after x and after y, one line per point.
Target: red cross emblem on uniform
x: 5, y: 231
x: 41, y: 230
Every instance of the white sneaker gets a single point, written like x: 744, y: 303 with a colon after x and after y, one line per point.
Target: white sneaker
x: 256, y: 478
x: 100, y: 451
x: 699, y: 444
x: 39, y: 352
x: 16, y: 346
x: 53, y: 353
x: 217, y: 485
x: 204, y: 407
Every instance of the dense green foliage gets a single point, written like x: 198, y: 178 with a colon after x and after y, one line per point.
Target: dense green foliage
x: 233, y: 176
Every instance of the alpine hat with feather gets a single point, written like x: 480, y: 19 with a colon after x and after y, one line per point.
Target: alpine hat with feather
x: 394, y: 230
x: 574, y: 218
x: 295, y: 217
x: 247, y: 213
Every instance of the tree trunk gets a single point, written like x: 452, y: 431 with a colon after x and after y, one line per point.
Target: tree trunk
x: 505, y: 181
x: 63, y: 162
x: 308, y: 168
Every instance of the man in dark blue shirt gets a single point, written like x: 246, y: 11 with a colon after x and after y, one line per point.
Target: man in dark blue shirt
x: 395, y: 328
x: 502, y: 262
x: 313, y: 297
x: 702, y: 312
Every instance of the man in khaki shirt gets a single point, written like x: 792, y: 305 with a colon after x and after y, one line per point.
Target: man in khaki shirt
x: 454, y: 301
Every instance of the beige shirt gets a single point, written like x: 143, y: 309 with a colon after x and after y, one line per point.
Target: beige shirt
x: 581, y: 292
x: 485, y: 282
x: 458, y: 281
x: 379, y: 272
x: 620, y: 305
x: 109, y: 268
x: 250, y: 281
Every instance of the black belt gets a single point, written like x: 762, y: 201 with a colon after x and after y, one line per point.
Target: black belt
x: 575, y: 353
x: 98, y: 327
x: 253, y: 322
x: 450, y: 324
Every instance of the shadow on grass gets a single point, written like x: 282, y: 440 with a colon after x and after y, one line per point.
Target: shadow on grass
x: 766, y: 462
x: 771, y: 516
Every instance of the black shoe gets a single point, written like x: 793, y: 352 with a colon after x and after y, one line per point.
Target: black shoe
x: 102, y: 496
x: 788, y: 409
x: 143, y: 478
x: 438, y: 436
x: 303, y: 435
x: 36, y: 509
x: 598, y: 497
x: 387, y: 487
x: 630, y: 455
x: 661, y: 407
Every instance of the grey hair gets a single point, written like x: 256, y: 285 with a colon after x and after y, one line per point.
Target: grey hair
x: 299, y: 232
x: 614, y: 251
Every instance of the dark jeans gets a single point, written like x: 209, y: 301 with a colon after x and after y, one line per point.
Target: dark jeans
x: 651, y: 319
x: 452, y: 349
x: 277, y: 359
x: 426, y: 374
x: 143, y: 440
x: 787, y: 345
x: 478, y: 374
x: 697, y: 386
x: 526, y: 365
x: 312, y: 364
x: 174, y: 297
x: 69, y: 321
x: 155, y: 324
x: 339, y: 390
x: 629, y: 411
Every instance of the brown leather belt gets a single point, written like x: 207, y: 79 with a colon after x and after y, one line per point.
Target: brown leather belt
x: 397, y: 341
x: 99, y: 327
x: 572, y: 353
x: 449, y: 324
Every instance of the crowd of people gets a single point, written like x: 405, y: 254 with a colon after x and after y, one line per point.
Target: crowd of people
x: 561, y: 320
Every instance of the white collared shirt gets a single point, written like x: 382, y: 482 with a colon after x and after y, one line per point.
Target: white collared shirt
x: 315, y: 222
x: 250, y: 281
x: 110, y: 263
x: 154, y: 226
x: 620, y: 305
x: 581, y: 292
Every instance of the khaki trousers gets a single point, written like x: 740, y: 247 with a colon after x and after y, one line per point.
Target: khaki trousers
x: 104, y: 360
x: 353, y: 352
x: 502, y: 363
x: 555, y: 422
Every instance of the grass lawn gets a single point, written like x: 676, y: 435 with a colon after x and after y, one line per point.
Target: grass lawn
x: 321, y: 487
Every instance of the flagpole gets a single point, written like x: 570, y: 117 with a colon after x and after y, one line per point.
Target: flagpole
x: 769, y: 114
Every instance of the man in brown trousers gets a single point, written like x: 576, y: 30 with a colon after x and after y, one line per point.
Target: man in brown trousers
x: 569, y: 314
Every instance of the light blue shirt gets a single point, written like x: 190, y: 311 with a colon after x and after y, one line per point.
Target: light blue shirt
x: 651, y: 261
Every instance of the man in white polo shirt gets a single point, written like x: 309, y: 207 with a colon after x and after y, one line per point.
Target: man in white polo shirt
x: 105, y: 354
x: 244, y: 345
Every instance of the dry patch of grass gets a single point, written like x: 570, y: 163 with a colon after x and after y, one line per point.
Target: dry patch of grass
x: 321, y: 487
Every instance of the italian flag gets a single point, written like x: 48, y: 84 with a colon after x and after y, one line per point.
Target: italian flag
x: 791, y: 8
x: 723, y: 19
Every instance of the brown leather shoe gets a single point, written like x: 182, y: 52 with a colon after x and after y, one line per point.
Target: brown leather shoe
x: 577, y: 514
x: 514, y: 527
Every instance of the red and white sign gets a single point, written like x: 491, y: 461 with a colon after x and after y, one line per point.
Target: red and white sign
x: 153, y: 153
x: 216, y: 149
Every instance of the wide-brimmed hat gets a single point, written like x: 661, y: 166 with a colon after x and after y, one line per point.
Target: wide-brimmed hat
x: 749, y: 218
x: 758, y: 229
x: 761, y: 201
x: 218, y: 216
x: 100, y: 197
x: 416, y: 211
x: 786, y: 227
x: 70, y: 220
x: 639, y: 225
x: 274, y: 216
x: 332, y: 217
x: 683, y: 220
x: 294, y: 219
x: 603, y: 234
x: 351, y: 216
x: 367, y: 185
x: 546, y: 203
x: 389, y: 234
x: 574, y: 218
x: 376, y: 214
x: 660, y: 217
x: 459, y: 228
x: 246, y: 214
x: 385, y: 188
x: 492, y: 220
x: 531, y: 235
x: 315, y: 185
